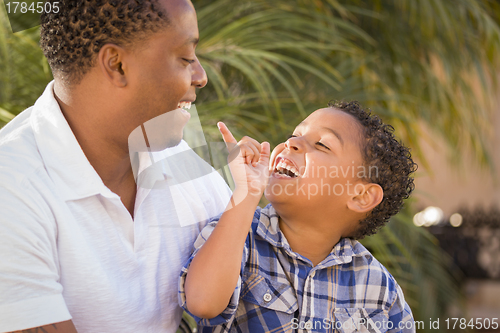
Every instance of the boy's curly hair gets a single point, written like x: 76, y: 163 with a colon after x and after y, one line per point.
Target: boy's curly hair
x: 71, y: 38
x: 391, y: 159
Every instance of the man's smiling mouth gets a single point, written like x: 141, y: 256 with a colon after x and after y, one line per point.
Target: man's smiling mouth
x: 184, y: 105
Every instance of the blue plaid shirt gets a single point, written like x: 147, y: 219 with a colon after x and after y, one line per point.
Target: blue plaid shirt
x: 280, y: 290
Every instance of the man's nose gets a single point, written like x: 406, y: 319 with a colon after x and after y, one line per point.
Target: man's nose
x: 199, y: 77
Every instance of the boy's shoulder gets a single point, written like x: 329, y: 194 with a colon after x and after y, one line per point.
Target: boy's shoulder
x: 372, y: 282
x: 362, y: 257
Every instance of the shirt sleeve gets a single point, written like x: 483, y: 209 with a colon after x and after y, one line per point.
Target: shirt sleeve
x: 31, y: 294
x: 400, y: 315
x: 228, y: 313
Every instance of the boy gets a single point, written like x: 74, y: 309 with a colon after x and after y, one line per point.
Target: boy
x: 338, y: 178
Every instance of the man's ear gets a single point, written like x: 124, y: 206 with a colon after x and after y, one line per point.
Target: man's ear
x: 366, y: 197
x: 110, y: 60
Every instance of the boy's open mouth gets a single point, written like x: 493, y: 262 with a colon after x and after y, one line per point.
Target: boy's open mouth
x: 285, y: 168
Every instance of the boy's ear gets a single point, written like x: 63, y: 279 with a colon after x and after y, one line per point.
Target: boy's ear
x: 366, y: 197
x: 110, y: 60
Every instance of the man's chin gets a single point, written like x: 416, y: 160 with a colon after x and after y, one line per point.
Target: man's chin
x: 159, y: 133
x: 143, y: 141
x: 159, y: 146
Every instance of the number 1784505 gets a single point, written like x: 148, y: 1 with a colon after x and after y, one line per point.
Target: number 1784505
x: 474, y: 323
x: 14, y: 7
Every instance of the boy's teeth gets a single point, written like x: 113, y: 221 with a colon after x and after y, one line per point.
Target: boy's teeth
x: 290, y: 168
x: 282, y: 167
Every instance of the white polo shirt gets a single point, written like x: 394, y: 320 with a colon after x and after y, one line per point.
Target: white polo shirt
x: 69, y: 248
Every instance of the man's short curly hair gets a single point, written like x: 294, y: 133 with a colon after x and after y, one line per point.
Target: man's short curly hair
x: 392, y: 160
x: 72, y: 37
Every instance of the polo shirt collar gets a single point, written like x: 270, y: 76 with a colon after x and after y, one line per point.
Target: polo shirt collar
x: 342, y: 253
x: 64, y: 160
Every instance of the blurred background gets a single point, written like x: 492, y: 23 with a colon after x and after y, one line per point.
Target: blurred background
x: 428, y: 67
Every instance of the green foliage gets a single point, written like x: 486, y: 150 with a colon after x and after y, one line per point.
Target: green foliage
x: 411, y: 61
x: 24, y: 70
x: 261, y: 57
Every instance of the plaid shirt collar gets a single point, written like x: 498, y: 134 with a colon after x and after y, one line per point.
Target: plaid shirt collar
x: 342, y: 252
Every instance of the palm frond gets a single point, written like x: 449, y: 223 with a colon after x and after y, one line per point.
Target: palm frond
x: 24, y: 70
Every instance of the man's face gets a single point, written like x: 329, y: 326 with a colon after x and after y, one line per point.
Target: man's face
x: 319, y: 164
x: 164, y: 74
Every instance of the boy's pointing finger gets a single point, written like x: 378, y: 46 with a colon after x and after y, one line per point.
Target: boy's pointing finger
x: 264, y: 153
x: 227, y: 136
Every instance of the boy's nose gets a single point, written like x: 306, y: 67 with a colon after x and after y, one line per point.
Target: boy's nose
x: 293, y: 144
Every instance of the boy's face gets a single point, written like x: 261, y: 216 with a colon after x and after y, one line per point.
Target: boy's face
x: 320, y: 164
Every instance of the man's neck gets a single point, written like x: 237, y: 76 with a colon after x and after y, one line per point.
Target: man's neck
x: 107, y: 154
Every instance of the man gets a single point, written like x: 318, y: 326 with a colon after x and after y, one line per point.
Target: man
x: 83, y: 247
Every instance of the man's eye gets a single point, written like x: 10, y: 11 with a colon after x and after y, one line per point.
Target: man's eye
x: 322, y: 145
x: 190, y: 61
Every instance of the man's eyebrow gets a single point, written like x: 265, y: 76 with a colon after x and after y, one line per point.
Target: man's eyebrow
x: 193, y: 40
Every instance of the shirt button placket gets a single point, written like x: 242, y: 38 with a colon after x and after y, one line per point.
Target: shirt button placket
x: 308, y: 325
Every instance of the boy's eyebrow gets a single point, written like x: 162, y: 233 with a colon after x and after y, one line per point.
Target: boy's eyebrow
x: 328, y: 129
x: 334, y: 133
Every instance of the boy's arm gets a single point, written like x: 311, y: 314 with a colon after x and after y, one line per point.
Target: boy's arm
x: 214, y: 271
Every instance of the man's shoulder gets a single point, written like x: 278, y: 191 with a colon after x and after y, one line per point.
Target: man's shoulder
x: 19, y: 154
x: 17, y: 127
x: 24, y: 181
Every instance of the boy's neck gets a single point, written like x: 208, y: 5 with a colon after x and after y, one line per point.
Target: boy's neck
x: 313, y: 237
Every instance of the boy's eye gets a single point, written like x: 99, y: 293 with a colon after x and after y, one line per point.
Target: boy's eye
x: 190, y: 61
x: 322, y: 145
x: 318, y: 143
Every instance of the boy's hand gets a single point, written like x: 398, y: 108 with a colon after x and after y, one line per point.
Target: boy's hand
x: 248, y: 162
